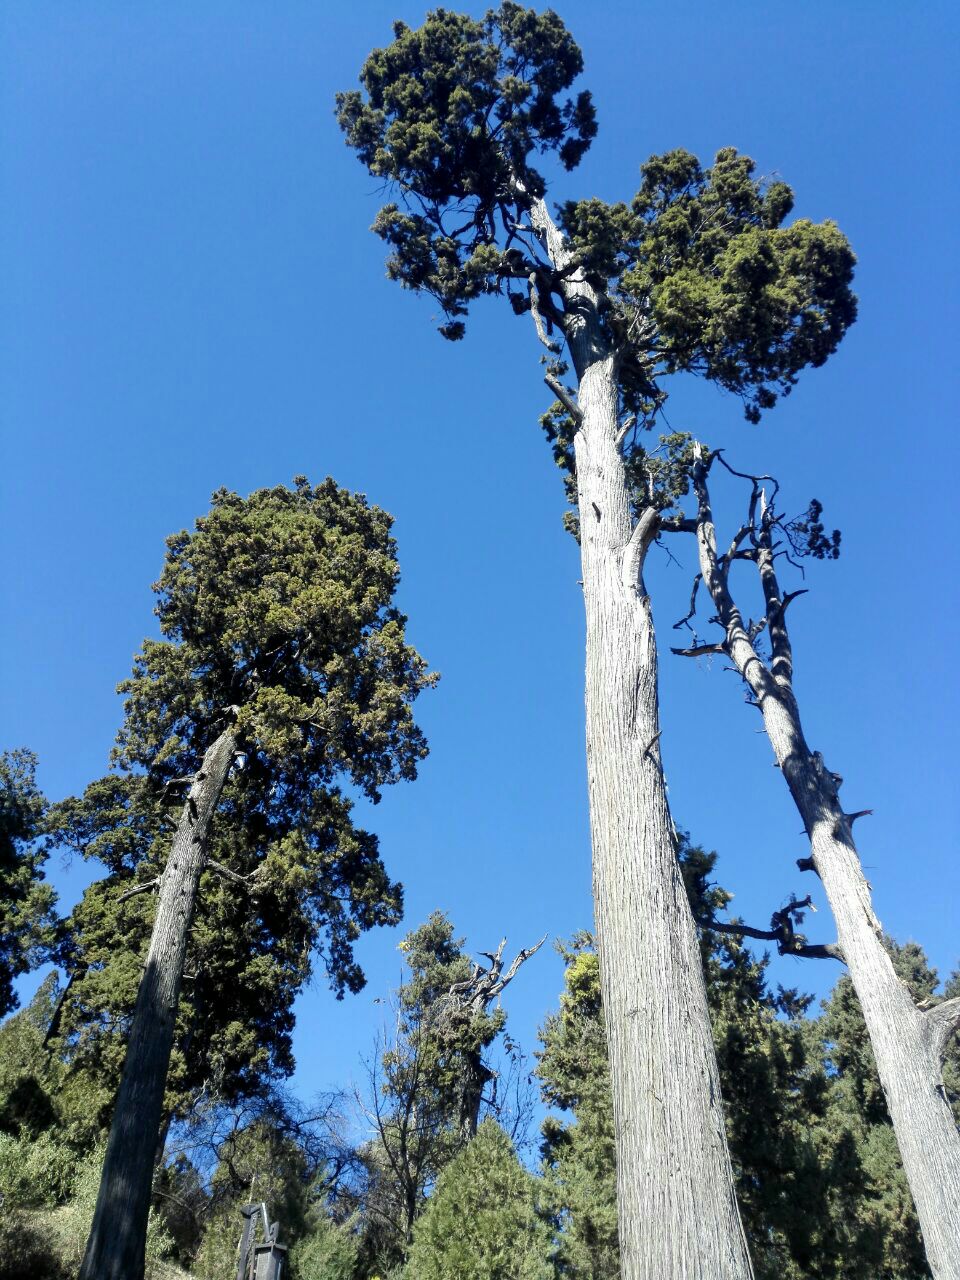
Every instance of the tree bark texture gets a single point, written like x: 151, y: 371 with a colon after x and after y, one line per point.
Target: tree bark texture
x: 907, y: 1042
x: 677, y: 1211
x: 115, y: 1248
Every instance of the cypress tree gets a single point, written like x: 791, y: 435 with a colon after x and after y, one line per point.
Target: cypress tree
x: 701, y: 273
x: 282, y: 668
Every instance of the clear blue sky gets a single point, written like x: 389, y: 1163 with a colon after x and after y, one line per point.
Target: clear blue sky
x: 191, y: 298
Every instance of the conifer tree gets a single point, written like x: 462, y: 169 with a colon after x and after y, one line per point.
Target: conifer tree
x: 28, y: 921
x: 282, y: 668
x: 701, y: 273
x: 433, y: 1080
x: 482, y: 1220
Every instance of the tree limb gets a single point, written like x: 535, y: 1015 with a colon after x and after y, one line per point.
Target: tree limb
x: 940, y: 1022
x: 635, y: 552
x: 245, y: 882
x: 699, y: 650
x: 552, y: 347
x: 565, y: 398
x: 140, y: 888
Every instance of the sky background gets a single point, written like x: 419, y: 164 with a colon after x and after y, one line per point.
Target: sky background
x: 191, y: 298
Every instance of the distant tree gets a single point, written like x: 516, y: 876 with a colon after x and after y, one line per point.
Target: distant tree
x: 482, y: 1221
x: 28, y: 920
x: 908, y: 1040
x: 699, y: 273
x: 283, y: 667
x: 431, y: 1081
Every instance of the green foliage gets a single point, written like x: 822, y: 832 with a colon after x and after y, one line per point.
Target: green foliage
x: 280, y: 605
x: 725, y: 289
x: 257, y: 1162
x: 450, y: 114
x: 699, y: 273
x: 47, y: 1243
x: 28, y: 920
x: 328, y: 1252
x: 482, y: 1221
x: 579, y: 1157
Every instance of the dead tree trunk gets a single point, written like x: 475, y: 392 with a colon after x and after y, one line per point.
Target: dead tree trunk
x: 908, y: 1043
x: 115, y: 1248
x: 677, y: 1211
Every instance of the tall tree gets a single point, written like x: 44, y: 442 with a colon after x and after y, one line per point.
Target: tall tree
x: 433, y: 1080
x: 908, y: 1041
x: 28, y: 921
x: 283, y: 666
x: 698, y: 273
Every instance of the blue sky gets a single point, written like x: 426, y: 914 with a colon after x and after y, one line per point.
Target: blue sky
x: 192, y: 298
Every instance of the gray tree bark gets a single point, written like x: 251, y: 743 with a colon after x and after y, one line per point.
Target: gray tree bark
x: 677, y: 1211
x: 908, y: 1043
x: 116, y: 1245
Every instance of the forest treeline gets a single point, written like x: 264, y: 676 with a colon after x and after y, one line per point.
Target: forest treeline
x: 382, y: 1178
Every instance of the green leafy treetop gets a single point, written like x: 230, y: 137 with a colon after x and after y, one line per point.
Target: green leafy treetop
x: 482, y: 1221
x: 280, y: 605
x: 28, y: 921
x: 699, y: 272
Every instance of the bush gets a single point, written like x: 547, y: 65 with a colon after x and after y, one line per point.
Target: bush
x: 481, y: 1223
x: 328, y: 1252
x: 35, y: 1171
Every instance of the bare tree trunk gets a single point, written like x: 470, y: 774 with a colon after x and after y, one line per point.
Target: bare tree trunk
x: 115, y: 1248
x: 677, y: 1211
x: 907, y: 1042
x: 476, y: 1075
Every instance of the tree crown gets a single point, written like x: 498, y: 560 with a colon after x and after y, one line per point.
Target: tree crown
x: 698, y: 273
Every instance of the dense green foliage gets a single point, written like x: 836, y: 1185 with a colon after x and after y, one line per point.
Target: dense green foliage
x: 28, y: 922
x: 279, y: 605
x: 450, y: 114
x: 698, y: 273
x: 482, y: 1221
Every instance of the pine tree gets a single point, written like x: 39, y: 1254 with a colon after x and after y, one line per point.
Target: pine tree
x: 699, y: 273
x: 482, y: 1220
x: 282, y: 668
x: 28, y: 920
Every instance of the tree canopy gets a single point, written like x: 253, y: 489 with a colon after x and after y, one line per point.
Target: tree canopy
x: 279, y: 605
x: 700, y: 271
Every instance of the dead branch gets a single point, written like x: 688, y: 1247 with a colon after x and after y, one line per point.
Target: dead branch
x: 564, y: 396
x: 552, y: 347
x: 782, y: 931
x: 148, y: 887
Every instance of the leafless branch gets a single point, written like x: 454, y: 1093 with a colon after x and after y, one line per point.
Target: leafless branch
x: 782, y: 931
x: 565, y: 398
x: 552, y: 347
x: 148, y: 887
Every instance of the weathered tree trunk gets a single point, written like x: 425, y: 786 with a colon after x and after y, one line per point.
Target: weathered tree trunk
x: 907, y: 1042
x: 475, y: 1076
x: 115, y: 1248
x: 677, y: 1212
